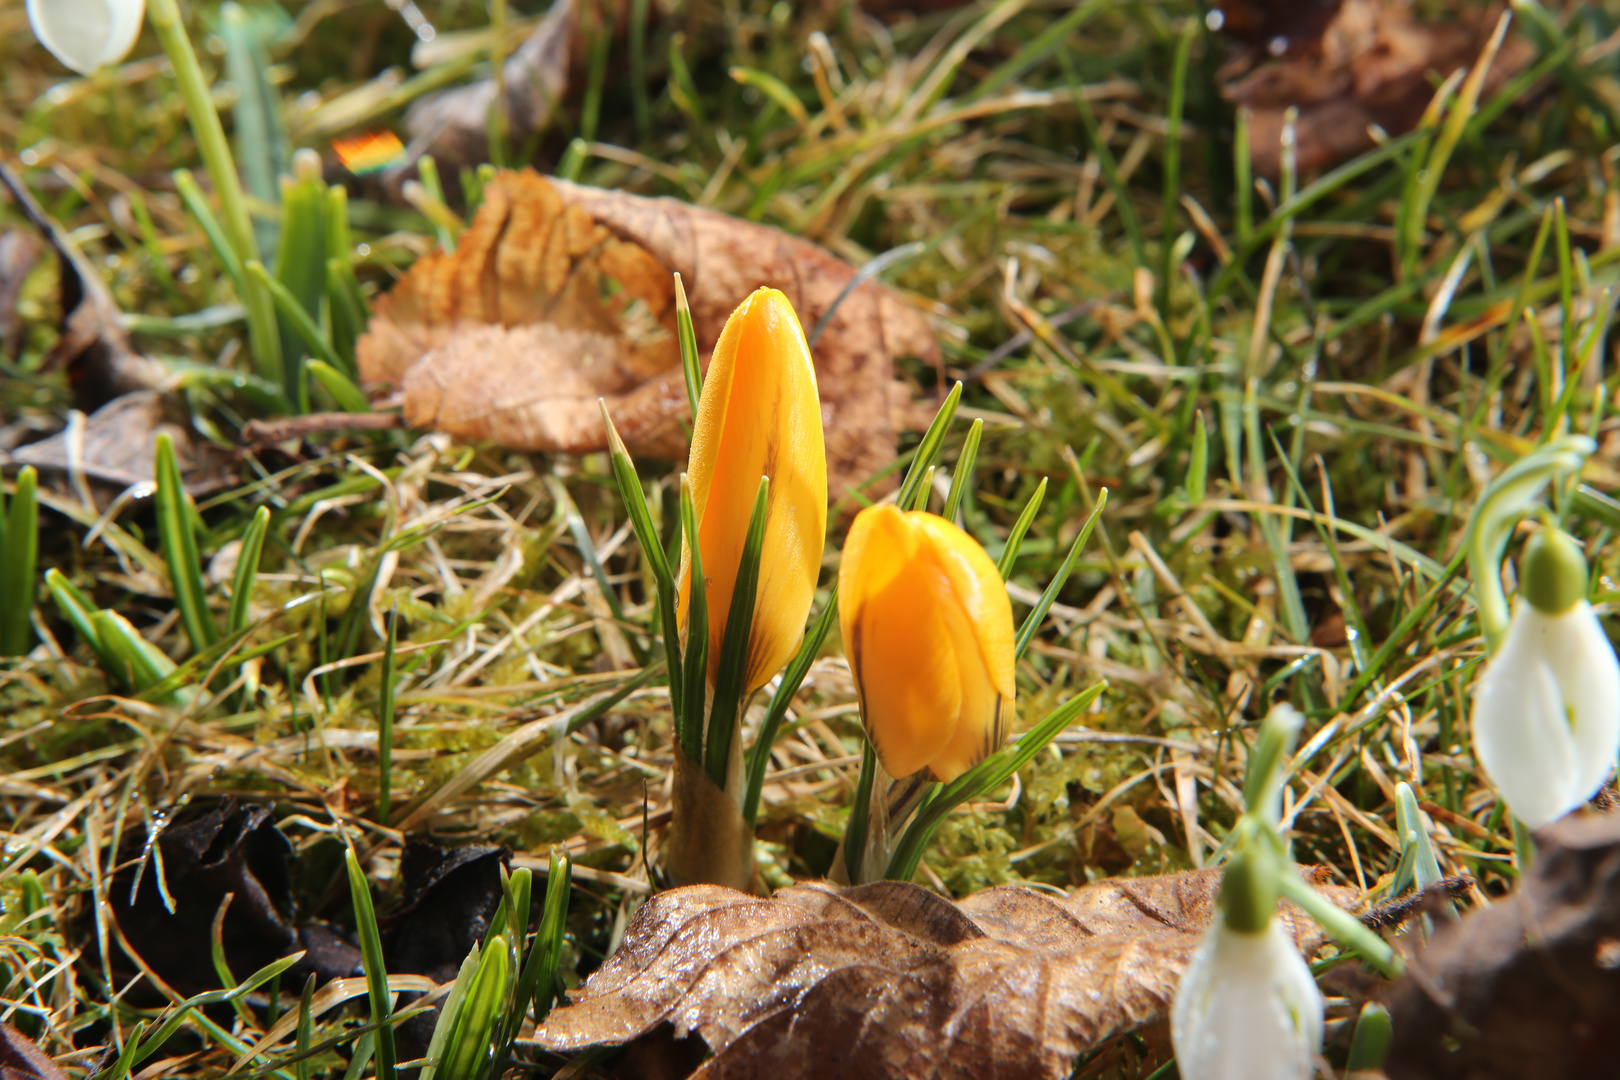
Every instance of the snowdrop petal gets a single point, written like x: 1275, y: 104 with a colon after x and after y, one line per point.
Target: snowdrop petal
x: 1522, y: 734
x: 85, y: 34
x: 1588, y: 677
x: 1246, y: 1009
x: 128, y: 17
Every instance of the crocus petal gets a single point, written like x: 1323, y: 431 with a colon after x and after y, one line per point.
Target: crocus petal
x: 85, y: 34
x: 1583, y: 665
x: 760, y: 415
x: 928, y: 630
x: 899, y: 646
x: 1246, y: 1008
x: 981, y: 631
x: 1522, y: 735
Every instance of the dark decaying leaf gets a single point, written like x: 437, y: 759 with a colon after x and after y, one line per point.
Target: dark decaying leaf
x: 117, y: 443
x: 559, y: 294
x: 1371, y: 62
x: 890, y: 979
x: 1528, y: 988
x: 229, y: 848
x: 19, y: 251
x: 448, y: 897
x: 100, y: 361
x: 22, y: 1059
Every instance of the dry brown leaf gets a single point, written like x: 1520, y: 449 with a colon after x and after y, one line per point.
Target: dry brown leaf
x: 22, y: 1059
x: 19, y: 251
x: 559, y: 294
x: 1368, y: 62
x: 93, y: 346
x: 1528, y: 988
x: 889, y: 979
x: 117, y: 445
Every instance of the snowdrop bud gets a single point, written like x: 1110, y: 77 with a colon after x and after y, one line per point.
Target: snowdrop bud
x: 85, y: 34
x: 1247, y: 1008
x: 1248, y: 893
x: 1553, y: 571
x: 1547, y: 708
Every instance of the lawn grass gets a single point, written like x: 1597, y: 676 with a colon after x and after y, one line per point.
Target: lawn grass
x: 1364, y: 348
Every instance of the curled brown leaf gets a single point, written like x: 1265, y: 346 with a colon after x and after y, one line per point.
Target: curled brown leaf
x: 890, y: 979
x: 559, y: 294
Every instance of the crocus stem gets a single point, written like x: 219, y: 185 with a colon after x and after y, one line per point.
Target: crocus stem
x: 860, y: 816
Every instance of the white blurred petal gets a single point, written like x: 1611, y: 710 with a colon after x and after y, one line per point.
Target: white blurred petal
x: 1246, y: 1009
x: 128, y: 16
x: 1588, y: 675
x: 85, y: 34
x: 1547, y: 713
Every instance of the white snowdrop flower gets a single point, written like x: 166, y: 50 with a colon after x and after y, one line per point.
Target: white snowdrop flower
x: 1247, y: 1008
x: 1547, y: 708
x: 85, y: 34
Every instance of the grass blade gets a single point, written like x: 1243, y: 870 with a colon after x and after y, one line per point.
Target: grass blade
x: 347, y: 396
x: 305, y: 1037
x: 792, y: 678
x: 548, y: 942
x: 928, y: 448
x: 261, y: 138
x: 78, y: 609
x: 1032, y: 622
x: 19, y: 555
x: 469, y: 1046
x: 689, y: 350
x: 449, y: 1013
x: 962, y: 478
x: 247, y: 570
x: 365, y: 918
x: 729, y: 691
x: 695, y: 676
x: 1015, y: 538
x: 179, y: 543
x: 385, y: 719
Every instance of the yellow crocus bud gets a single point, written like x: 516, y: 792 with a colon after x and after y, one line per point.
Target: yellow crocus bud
x: 929, y: 635
x: 759, y: 415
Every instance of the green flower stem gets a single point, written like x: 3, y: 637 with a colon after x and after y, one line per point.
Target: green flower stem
x: 216, y: 154
x: 205, y: 125
x: 1505, y: 501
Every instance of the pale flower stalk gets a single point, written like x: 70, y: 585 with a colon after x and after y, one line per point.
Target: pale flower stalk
x: 1547, y: 708
x: 1247, y: 1008
x: 85, y: 34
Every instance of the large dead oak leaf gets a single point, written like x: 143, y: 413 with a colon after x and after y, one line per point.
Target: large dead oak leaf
x: 559, y: 294
x: 1528, y: 988
x: 889, y: 979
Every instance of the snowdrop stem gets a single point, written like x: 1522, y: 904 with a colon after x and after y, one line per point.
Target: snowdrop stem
x: 1340, y: 925
x: 1262, y: 786
x: 1504, y: 502
x: 205, y: 125
x: 1524, y: 846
